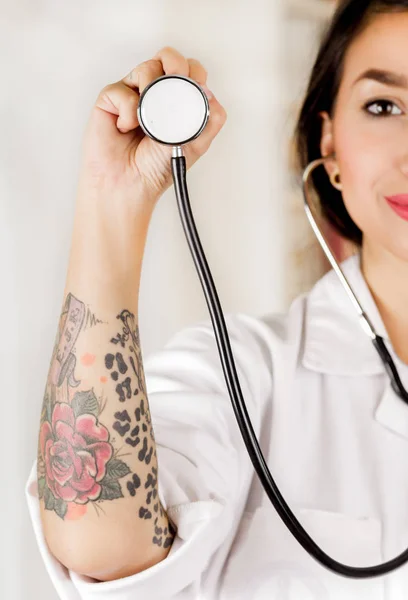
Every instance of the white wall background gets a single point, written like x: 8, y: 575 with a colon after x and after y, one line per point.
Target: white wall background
x: 55, y: 57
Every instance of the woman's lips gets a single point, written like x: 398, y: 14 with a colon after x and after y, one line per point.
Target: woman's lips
x: 399, y: 204
x: 401, y: 199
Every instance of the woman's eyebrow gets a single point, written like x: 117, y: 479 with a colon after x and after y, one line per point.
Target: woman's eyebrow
x: 386, y: 77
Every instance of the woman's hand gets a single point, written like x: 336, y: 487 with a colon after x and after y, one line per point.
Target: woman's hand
x: 117, y: 156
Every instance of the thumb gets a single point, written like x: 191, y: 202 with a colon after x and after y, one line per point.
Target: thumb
x: 115, y: 111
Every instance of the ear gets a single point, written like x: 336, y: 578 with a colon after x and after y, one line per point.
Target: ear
x: 326, y: 142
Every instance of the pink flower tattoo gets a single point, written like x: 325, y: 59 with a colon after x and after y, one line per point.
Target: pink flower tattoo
x: 75, y: 450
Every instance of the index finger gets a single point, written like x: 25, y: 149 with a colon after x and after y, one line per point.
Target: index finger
x: 174, y: 63
x: 167, y: 61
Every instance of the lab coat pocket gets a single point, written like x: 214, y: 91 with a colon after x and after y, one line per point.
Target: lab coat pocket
x: 266, y: 562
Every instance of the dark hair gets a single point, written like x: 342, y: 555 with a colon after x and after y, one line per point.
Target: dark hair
x: 349, y: 19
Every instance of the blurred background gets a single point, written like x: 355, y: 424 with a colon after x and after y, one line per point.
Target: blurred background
x: 248, y: 206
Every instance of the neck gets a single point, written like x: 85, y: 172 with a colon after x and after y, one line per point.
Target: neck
x: 387, y: 277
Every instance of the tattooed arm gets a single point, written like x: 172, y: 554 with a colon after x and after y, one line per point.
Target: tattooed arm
x: 97, y: 463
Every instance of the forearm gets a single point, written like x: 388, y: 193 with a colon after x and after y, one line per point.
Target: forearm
x: 97, y: 463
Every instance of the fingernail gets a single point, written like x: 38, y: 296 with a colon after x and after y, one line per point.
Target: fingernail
x: 208, y: 92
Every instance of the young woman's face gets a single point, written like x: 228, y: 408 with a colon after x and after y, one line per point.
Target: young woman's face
x: 369, y: 133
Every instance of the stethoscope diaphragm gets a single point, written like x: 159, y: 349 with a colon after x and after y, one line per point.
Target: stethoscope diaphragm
x: 173, y: 110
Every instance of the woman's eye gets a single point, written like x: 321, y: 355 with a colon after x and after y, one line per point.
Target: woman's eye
x: 383, y: 107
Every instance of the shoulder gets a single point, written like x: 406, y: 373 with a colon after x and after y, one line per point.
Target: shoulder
x: 257, y: 342
x: 263, y: 346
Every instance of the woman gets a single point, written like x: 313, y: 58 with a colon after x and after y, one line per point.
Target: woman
x: 123, y: 510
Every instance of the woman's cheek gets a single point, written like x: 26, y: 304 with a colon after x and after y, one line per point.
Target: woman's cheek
x: 358, y: 153
x: 358, y: 176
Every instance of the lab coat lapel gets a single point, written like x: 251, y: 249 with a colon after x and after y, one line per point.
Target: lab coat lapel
x: 392, y: 411
x: 336, y: 344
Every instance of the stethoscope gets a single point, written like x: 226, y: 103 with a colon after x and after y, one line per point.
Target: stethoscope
x: 173, y: 110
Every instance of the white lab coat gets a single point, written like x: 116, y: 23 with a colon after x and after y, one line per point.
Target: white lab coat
x: 333, y: 432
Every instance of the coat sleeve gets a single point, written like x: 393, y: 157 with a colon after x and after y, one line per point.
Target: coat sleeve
x: 204, y: 471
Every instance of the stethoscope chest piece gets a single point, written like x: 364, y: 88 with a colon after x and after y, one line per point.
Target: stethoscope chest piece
x: 173, y: 110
